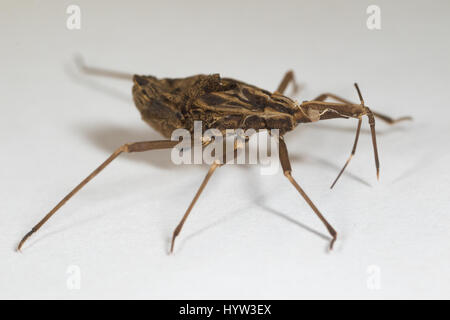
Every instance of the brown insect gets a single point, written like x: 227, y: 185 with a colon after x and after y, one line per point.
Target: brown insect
x: 224, y: 103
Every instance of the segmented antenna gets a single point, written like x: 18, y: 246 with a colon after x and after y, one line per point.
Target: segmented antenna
x: 359, y: 94
x: 358, y: 130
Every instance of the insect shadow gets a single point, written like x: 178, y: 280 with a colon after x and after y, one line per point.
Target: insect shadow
x: 297, y: 223
x: 227, y: 217
x: 327, y: 164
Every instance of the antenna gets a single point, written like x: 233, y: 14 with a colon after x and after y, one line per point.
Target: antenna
x: 359, y: 94
x: 372, y: 131
x: 358, y: 130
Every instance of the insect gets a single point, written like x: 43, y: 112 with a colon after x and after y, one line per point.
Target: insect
x: 224, y: 103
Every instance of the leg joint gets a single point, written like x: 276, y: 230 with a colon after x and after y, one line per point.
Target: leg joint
x: 124, y: 148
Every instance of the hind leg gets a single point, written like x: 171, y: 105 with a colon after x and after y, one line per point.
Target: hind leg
x: 126, y: 148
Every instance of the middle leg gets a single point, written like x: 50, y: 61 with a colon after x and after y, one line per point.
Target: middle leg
x: 211, y: 170
x: 177, y: 230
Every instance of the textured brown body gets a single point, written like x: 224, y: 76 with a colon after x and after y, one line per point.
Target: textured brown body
x: 221, y: 103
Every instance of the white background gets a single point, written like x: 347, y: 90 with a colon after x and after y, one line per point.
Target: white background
x: 250, y: 236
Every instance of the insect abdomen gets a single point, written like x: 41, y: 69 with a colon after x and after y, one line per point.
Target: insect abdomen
x: 159, y: 112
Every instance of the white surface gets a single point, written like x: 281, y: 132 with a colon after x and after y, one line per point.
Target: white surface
x: 250, y: 236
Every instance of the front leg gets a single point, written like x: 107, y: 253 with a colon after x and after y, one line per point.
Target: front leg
x: 286, y: 165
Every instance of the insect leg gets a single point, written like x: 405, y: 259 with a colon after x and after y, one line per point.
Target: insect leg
x: 177, y: 230
x: 211, y: 170
x: 288, y: 78
x: 101, y: 72
x: 286, y: 165
x: 381, y: 116
x: 131, y: 147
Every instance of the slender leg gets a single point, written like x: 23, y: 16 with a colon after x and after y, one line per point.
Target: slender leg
x: 286, y: 165
x: 381, y: 116
x: 288, y: 78
x: 177, y: 230
x: 211, y: 170
x: 101, y: 72
x: 132, y: 147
